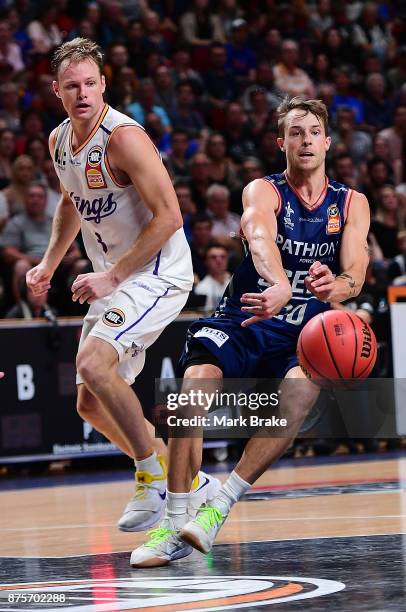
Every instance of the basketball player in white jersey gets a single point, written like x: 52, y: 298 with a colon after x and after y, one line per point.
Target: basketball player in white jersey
x: 117, y: 191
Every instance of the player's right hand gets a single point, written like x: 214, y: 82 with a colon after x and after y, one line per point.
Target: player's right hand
x: 265, y: 305
x: 39, y: 279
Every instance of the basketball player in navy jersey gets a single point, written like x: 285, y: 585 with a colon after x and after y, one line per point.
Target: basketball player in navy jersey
x: 307, y: 247
x: 115, y: 189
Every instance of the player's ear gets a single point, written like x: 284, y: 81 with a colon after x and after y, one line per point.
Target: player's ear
x: 328, y: 142
x: 281, y: 142
x: 55, y: 88
x: 103, y: 82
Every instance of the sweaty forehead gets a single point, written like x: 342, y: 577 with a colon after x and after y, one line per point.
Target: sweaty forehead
x: 302, y: 118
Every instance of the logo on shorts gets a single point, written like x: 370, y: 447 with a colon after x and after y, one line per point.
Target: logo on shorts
x: 94, y: 174
x: 216, y: 335
x: 114, y: 317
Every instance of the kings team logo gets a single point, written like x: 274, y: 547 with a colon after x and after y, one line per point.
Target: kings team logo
x: 333, y: 220
x: 93, y: 171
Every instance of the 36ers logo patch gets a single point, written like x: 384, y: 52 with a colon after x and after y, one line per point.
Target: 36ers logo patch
x: 94, y: 174
x: 114, y: 317
x: 333, y: 220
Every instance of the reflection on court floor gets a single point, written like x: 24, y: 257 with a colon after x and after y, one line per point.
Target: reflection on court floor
x: 316, y: 537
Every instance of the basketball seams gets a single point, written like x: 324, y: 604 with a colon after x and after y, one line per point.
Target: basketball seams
x: 328, y: 346
x: 308, y: 360
x: 356, y: 345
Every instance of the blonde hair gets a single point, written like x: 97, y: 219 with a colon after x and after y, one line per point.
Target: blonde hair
x: 77, y: 50
x: 315, y: 107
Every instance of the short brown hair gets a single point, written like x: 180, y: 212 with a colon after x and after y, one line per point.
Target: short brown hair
x: 77, y: 50
x: 316, y: 107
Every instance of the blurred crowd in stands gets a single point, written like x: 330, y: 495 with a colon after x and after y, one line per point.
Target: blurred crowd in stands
x: 205, y: 79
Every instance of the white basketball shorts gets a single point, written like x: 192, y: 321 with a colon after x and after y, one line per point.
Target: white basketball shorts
x: 132, y: 319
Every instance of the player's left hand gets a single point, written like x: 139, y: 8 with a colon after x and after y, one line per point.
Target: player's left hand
x: 320, y: 281
x: 90, y: 287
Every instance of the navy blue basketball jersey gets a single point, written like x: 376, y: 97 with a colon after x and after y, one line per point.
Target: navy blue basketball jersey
x: 303, y: 236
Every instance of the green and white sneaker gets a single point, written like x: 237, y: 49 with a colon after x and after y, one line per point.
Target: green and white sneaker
x: 202, y: 531
x: 162, y: 546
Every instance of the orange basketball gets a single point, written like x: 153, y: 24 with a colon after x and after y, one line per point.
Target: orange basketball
x: 336, y: 344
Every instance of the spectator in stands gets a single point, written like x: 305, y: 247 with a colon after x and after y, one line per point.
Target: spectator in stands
x: 15, y: 195
x: 264, y: 80
x: 397, y: 269
x: 321, y: 72
x: 137, y: 47
x: 184, y: 115
x: 321, y: 18
x: 37, y: 149
x: 181, y: 67
x: 259, y: 115
x: 240, y: 143
x: 10, y: 52
x: 344, y: 170
x: 217, y: 278
x: 30, y: 306
x: 200, y: 26
x: 378, y: 108
x: 201, y: 229
x: 356, y: 142
x: 269, y: 153
x: 53, y: 186
x: 112, y: 24
x: 387, y: 221
x: 117, y: 58
x: 343, y: 97
x: 44, y: 31
x: 339, y: 50
x: 157, y: 133
x: 370, y: 33
x: 241, y: 59
x: 199, y: 166
x: 289, y: 78
x: 226, y: 224
x: 220, y: 83
x: 10, y: 106
x: 123, y: 89
x: 50, y: 106
x: 177, y: 158
x: 396, y: 134
x: 146, y: 104
x: 154, y: 38
x: 32, y: 126
x: 165, y: 88
x: 221, y: 168
x: 7, y: 151
x: 378, y: 175
x: 397, y: 74
x: 187, y: 207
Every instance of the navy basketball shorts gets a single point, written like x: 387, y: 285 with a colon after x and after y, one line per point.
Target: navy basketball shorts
x: 257, y: 351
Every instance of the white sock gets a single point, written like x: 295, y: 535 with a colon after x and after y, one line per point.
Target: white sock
x: 150, y: 464
x: 176, y: 508
x: 231, y: 491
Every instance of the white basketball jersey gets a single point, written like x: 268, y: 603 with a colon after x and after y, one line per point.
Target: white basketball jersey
x: 113, y: 215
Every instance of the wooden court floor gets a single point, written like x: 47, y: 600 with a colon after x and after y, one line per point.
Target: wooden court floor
x: 356, y: 506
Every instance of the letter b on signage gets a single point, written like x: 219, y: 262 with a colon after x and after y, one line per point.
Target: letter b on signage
x: 25, y: 382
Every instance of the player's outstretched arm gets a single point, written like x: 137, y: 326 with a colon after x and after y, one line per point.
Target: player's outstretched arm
x: 132, y: 152
x: 65, y: 227
x: 354, y: 258
x: 260, y: 201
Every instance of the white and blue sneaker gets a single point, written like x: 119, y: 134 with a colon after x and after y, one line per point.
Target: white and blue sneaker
x: 163, y: 545
x: 147, y: 507
x: 204, y: 489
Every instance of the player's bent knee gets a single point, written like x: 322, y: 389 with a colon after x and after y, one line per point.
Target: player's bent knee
x: 93, y: 371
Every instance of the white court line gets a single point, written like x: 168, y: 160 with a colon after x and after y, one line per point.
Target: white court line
x: 239, y: 520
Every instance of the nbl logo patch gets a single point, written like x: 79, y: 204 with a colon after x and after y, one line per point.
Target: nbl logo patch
x: 94, y: 174
x: 333, y: 220
x: 114, y: 317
